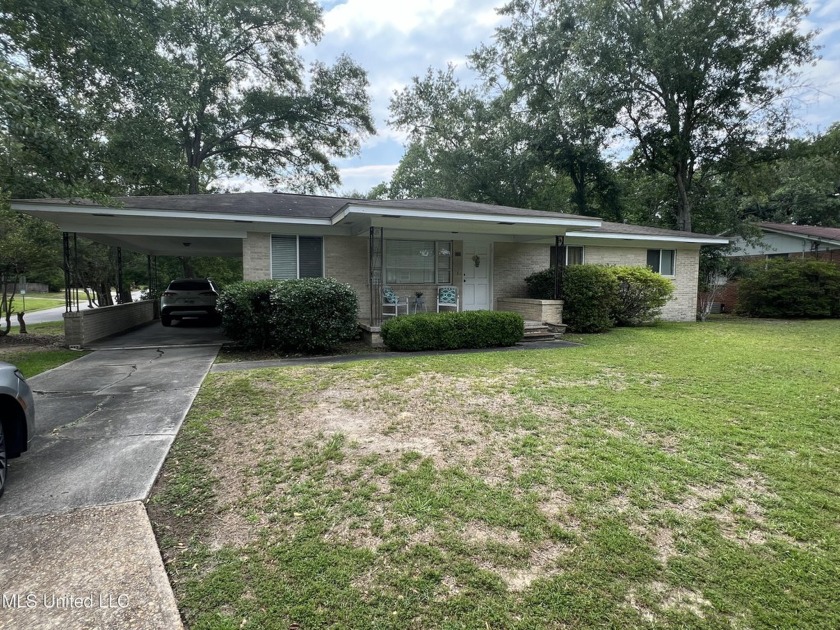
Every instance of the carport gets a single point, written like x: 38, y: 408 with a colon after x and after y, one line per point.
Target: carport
x: 154, y: 226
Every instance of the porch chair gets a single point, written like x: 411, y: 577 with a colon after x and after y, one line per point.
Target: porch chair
x: 392, y: 303
x: 448, y: 297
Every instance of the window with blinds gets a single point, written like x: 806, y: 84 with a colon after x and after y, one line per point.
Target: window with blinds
x: 662, y: 261
x: 573, y: 254
x: 296, y: 257
x: 418, y: 262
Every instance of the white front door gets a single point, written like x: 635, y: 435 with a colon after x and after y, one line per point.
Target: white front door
x: 477, y: 261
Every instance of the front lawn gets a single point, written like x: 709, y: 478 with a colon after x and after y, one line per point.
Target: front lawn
x: 39, y: 350
x: 679, y: 475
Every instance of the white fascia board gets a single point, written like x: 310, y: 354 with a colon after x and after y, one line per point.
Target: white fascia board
x: 165, y: 214
x: 804, y: 237
x: 649, y: 237
x: 461, y: 216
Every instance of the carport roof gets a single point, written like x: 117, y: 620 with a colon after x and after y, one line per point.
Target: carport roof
x: 215, y: 225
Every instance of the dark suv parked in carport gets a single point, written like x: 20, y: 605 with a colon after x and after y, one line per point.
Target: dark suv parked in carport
x: 189, y: 297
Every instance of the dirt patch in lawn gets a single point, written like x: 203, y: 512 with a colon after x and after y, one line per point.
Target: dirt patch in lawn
x: 468, y: 423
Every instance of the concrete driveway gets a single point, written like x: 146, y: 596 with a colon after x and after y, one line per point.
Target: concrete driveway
x: 72, y: 522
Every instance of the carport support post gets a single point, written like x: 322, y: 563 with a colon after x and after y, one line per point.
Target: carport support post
x: 120, y: 293
x: 559, y: 263
x: 68, y: 295
x: 377, y: 241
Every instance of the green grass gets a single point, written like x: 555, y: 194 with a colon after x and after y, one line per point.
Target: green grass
x: 55, y: 329
x: 32, y: 362
x: 37, y: 351
x: 38, y: 301
x: 678, y: 476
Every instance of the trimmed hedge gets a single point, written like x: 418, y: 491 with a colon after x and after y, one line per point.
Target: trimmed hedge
x: 787, y: 288
x: 450, y: 331
x: 640, y: 296
x: 540, y: 285
x: 310, y: 315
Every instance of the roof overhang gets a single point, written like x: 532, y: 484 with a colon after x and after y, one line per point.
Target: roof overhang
x: 612, y: 238
x: 402, y: 220
x: 184, y: 233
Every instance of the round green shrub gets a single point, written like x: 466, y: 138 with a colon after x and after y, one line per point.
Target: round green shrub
x: 310, y: 315
x: 313, y: 315
x: 541, y: 285
x: 641, y: 294
x: 589, y: 292
x: 451, y: 331
x: 246, y: 313
x: 787, y: 288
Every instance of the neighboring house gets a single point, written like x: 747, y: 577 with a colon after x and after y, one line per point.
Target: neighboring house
x: 485, y: 251
x: 781, y: 240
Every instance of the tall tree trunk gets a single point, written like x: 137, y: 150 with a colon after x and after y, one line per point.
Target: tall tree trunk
x: 683, y: 202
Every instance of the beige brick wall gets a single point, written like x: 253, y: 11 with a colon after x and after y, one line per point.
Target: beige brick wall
x: 83, y: 327
x: 512, y: 262
x: 682, y: 307
x: 550, y: 311
x: 256, y: 256
x: 346, y: 260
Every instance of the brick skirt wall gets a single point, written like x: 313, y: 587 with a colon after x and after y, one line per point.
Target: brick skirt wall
x: 83, y: 327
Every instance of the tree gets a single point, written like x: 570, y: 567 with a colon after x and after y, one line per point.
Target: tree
x: 685, y: 80
x: 567, y: 128
x: 462, y: 144
x: 236, y: 95
x: 176, y: 92
x: 27, y: 246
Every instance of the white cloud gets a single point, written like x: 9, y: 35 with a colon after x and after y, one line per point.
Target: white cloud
x: 363, y: 178
x: 367, y: 18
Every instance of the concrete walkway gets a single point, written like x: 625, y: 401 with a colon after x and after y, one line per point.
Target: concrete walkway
x: 76, y: 545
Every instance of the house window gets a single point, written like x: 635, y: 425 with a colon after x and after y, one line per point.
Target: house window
x: 662, y: 261
x: 418, y: 262
x: 574, y: 254
x: 296, y: 257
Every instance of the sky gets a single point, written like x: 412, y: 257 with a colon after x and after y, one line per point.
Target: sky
x: 397, y: 40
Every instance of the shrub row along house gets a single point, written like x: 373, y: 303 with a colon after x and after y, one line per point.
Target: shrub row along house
x: 411, y: 246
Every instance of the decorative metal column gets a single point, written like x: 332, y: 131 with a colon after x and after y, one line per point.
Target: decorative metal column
x: 68, y: 293
x: 377, y: 250
x: 71, y: 265
x: 120, y: 292
x: 559, y: 264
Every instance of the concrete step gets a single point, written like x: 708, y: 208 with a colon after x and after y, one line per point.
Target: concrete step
x: 539, y: 331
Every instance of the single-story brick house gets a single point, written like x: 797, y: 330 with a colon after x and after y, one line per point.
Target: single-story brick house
x: 416, y: 245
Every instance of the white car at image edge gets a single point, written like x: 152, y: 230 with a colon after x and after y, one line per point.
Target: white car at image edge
x: 17, y: 417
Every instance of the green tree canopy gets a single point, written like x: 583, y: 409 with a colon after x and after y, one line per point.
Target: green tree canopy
x: 160, y: 97
x: 685, y: 80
